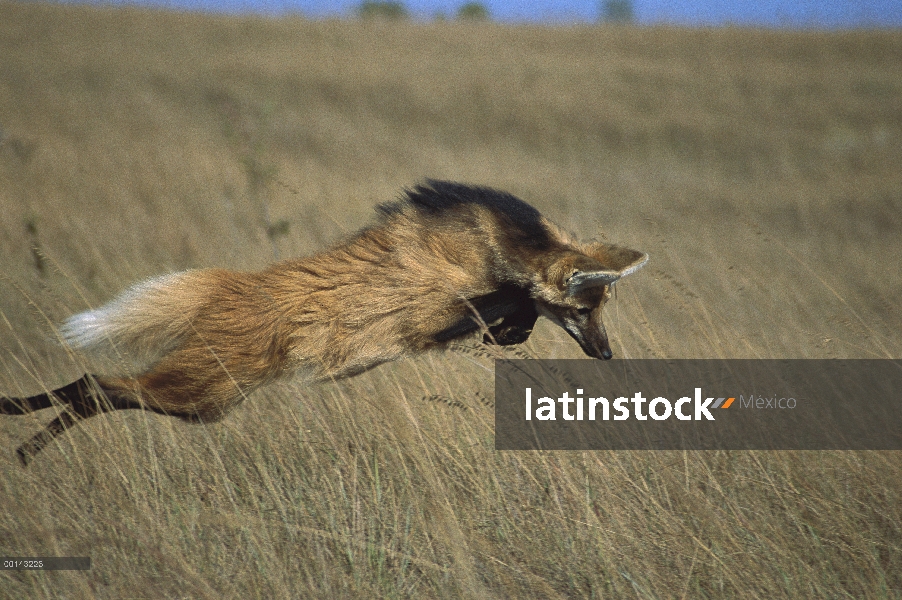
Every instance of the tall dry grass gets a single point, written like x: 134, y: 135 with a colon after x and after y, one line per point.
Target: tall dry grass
x: 759, y: 169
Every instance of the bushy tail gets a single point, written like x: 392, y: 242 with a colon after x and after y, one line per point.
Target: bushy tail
x: 144, y: 322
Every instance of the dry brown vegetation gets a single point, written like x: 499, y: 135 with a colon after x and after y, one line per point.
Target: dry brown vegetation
x: 760, y: 170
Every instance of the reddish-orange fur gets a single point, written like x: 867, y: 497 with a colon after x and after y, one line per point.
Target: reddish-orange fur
x: 438, y: 264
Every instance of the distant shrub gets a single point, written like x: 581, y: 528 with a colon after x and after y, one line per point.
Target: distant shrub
x: 617, y: 11
x: 473, y: 11
x: 382, y: 9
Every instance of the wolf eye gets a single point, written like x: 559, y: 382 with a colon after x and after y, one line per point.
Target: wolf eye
x: 584, y: 310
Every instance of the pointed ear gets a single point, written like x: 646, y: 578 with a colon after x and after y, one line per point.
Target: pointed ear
x: 617, y: 258
x: 629, y: 261
x: 617, y: 262
x: 583, y: 280
x: 634, y: 266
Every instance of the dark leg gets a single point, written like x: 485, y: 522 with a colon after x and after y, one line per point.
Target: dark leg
x: 83, y: 398
x: 30, y: 449
x: 514, y: 328
x: 69, y: 394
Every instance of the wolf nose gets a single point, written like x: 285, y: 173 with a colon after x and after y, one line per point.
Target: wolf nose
x: 607, y: 354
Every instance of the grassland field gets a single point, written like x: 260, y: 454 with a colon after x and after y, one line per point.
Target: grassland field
x: 759, y: 169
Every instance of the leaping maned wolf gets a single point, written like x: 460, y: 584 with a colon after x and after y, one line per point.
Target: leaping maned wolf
x: 440, y: 263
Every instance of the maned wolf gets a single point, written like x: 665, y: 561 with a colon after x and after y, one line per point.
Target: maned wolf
x: 442, y: 262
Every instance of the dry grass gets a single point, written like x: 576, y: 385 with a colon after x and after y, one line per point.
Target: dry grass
x: 759, y: 169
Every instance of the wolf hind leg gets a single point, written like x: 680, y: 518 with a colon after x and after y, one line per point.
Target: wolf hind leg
x: 81, y: 399
x: 39, y: 441
x: 23, y: 406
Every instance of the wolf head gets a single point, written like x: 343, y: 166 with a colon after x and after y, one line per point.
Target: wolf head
x: 536, y: 267
x: 575, y: 286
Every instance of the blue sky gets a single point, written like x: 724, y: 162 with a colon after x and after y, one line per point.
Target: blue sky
x: 804, y: 13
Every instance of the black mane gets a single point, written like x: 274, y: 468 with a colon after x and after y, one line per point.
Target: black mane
x: 437, y: 197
